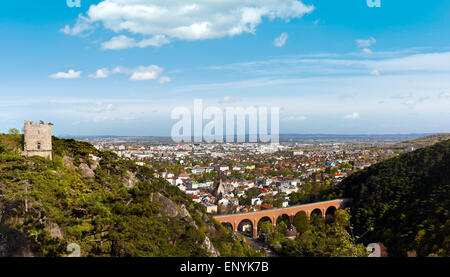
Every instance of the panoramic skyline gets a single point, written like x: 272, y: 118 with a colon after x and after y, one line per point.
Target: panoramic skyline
x: 119, y: 67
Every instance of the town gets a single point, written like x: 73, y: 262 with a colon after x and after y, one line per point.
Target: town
x: 244, y: 177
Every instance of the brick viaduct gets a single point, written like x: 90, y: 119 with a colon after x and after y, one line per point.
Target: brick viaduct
x: 321, y: 208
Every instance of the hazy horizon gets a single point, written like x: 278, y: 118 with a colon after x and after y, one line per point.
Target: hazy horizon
x: 330, y: 66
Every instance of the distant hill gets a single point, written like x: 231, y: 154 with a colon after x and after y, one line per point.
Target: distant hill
x: 107, y: 205
x: 289, y: 138
x: 420, y: 142
x: 406, y: 200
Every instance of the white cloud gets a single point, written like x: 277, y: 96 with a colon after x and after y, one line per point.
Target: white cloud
x: 83, y: 25
x: 121, y: 70
x: 119, y: 42
x: 196, y: 20
x: 124, y: 42
x: 445, y: 95
x: 432, y: 63
x: 410, y: 103
x: 145, y: 73
x: 98, y: 107
x: 367, y: 51
x: 375, y: 72
x: 364, y: 43
x: 352, y: 116
x: 98, y: 112
x: 281, y: 40
x: 155, y: 41
x: 100, y: 74
x: 71, y: 74
x: 164, y: 79
x: 141, y: 73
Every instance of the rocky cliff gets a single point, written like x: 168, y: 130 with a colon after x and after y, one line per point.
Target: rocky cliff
x: 107, y: 205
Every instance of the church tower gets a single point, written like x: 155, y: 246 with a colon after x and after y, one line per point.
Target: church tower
x: 37, y: 139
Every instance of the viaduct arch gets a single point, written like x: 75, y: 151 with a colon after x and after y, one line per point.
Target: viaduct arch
x: 324, y: 208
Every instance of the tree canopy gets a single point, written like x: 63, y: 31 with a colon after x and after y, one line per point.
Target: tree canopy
x: 406, y: 200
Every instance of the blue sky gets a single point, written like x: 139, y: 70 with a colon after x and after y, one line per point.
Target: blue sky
x: 120, y: 67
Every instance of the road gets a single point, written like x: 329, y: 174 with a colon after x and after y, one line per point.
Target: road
x: 260, y: 245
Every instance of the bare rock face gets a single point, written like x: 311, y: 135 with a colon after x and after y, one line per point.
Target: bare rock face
x: 94, y: 164
x: 68, y: 162
x: 208, y: 246
x: 167, y: 206
x: 86, y: 171
x: 55, y: 231
x: 130, y: 180
x: 94, y: 161
x: 184, y: 212
x: 171, y: 209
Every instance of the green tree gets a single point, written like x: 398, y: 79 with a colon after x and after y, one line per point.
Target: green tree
x: 325, y: 240
x: 60, y: 206
x: 265, y: 227
x: 282, y: 228
x: 301, y: 222
x: 342, y: 243
x: 13, y: 131
x: 406, y: 199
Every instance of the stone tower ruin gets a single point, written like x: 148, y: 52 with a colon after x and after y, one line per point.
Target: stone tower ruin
x: 37, y: 139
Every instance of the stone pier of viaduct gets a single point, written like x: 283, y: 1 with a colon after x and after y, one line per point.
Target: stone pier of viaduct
x: 321, y: 208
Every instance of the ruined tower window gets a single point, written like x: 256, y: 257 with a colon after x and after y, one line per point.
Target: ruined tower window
x: 38, y: 146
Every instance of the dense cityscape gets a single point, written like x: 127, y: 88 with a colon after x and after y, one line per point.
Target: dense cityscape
x: 232, y: 178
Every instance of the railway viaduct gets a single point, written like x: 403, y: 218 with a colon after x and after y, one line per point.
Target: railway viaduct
x: 321, y: 208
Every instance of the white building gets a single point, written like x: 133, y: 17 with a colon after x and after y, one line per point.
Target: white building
x: 212, y: 209
x: 224, y: 202
x: 256, y: 202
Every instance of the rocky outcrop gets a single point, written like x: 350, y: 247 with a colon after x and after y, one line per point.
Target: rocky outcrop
x: 86, y: 171
x: 68, y: 162
x: 50, y: 209
x: 94, y: 162
x: 171, y: 209
x: 54, y: 230
x: 208, y: 246
x: 184, y: 212
x: 130, y: 180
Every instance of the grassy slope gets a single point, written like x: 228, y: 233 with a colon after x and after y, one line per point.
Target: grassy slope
x: 51, y: 204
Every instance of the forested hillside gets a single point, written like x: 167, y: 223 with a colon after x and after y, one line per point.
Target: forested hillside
x: 406, y: 200
x: 107, y: 205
